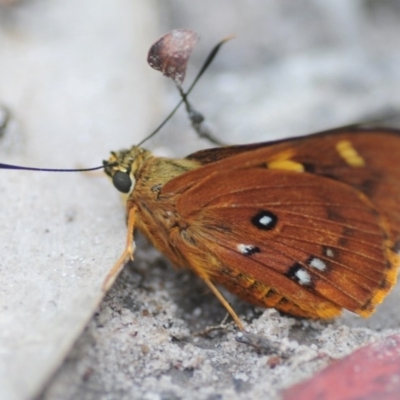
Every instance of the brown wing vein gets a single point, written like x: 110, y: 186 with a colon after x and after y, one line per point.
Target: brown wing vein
x: 293, y: 259
x: 335, y: 247
x: 333, y: 261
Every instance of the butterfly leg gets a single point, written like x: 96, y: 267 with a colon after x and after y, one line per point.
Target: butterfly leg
x: 225, y: 304
x: 127, y: 253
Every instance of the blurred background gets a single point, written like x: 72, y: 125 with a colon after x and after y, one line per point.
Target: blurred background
x: 294, y: 67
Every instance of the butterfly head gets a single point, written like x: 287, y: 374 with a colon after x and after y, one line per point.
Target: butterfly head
x: 122, y: 167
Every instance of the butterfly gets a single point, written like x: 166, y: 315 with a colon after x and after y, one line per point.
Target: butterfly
x: 308, y: 226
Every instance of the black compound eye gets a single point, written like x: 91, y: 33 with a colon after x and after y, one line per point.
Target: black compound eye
x: 122, y: 181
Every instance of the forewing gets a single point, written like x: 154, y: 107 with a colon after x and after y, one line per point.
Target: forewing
x: 366, y: 159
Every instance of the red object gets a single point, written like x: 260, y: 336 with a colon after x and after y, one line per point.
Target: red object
x: 371, y: 372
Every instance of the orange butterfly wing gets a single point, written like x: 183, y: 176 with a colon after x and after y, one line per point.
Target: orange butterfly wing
x: 305, y: 244
x: 379, y: 178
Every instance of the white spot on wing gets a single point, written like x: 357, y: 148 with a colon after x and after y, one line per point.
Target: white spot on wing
x: 265, y: 220
x: 317, y: 263
x: 303, y: 276
x: 329, y: 252
x: 245, y: 249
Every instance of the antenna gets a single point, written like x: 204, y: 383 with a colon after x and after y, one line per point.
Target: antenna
x: 169, y: 55
x: 11, y: 166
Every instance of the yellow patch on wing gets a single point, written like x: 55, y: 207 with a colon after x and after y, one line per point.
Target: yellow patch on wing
x: 349, y: 154
x: 287, y: 165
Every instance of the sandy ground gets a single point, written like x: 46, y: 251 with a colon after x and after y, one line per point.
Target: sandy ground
x: 293, y: 69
